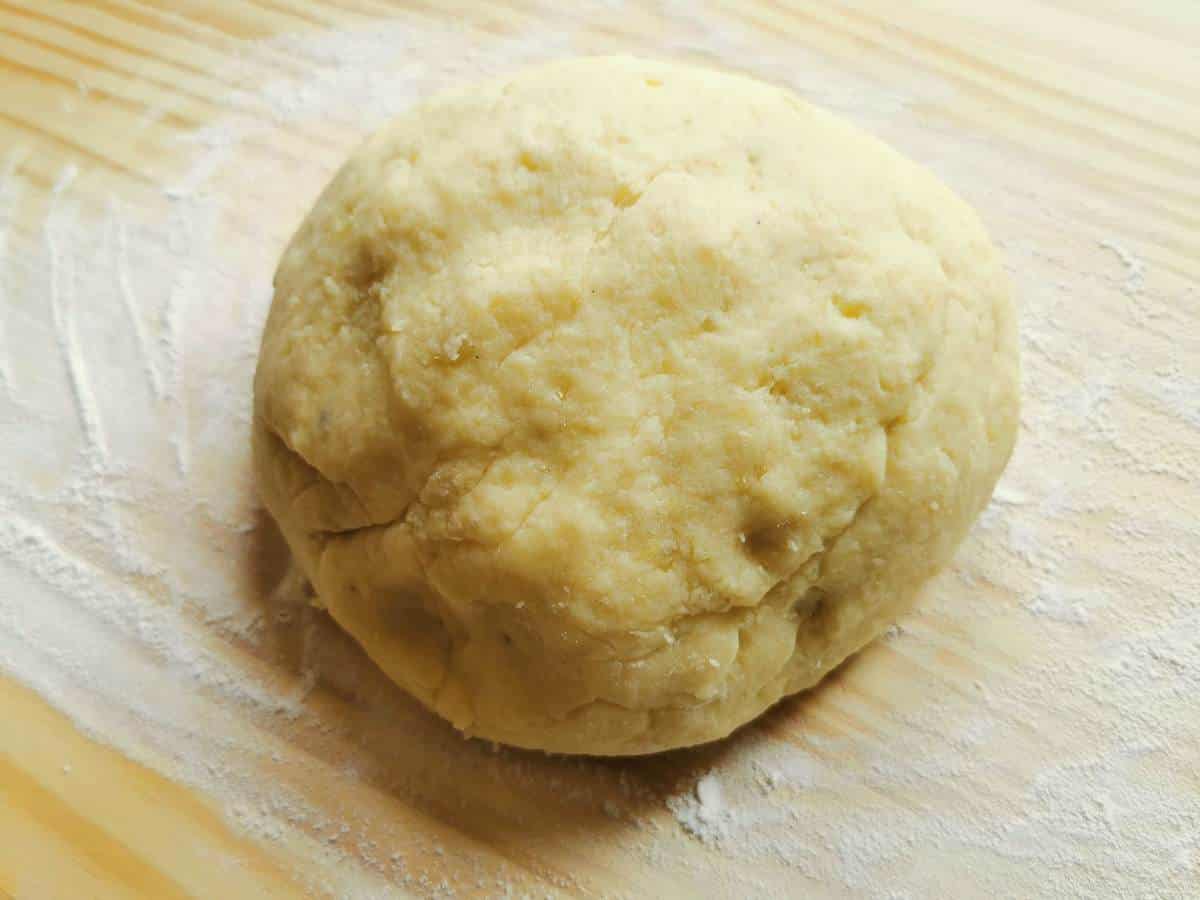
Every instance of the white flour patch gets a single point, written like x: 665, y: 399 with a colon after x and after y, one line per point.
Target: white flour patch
x: 141, y: 593
x: 1052, y: 602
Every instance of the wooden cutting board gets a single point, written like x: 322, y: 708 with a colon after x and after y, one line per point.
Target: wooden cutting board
x: 173, y: 722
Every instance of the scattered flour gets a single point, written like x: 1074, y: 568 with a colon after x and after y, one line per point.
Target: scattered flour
x: 1052, y: 755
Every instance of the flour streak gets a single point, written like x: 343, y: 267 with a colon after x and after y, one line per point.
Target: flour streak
x: 10, y: 196
x: 129, y: 300
x: 62, y: 300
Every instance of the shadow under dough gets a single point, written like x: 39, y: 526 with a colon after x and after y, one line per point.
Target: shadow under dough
x: 352, y: 717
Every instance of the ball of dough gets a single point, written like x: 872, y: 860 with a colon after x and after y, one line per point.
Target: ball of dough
x: 608, y: 403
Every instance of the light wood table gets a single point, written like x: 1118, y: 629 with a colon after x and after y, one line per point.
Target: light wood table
x: 1074, y: 127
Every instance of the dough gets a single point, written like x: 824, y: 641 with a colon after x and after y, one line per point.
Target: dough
x: 611, y: 402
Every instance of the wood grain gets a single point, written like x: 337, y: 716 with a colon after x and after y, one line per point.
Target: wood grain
x: 77, y: 819
x: 1100, y: 99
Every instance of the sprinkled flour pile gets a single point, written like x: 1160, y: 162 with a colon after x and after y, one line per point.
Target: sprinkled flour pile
x: 703, y: 812
x: 1030, y: 730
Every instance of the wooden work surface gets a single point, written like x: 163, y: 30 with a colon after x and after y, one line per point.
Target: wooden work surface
x: 1033, y: 729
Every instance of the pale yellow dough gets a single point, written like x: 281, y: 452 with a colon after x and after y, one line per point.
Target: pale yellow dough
x: 609, y: 403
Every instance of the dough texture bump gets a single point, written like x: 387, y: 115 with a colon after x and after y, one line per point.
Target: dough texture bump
x: 608, y: 403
